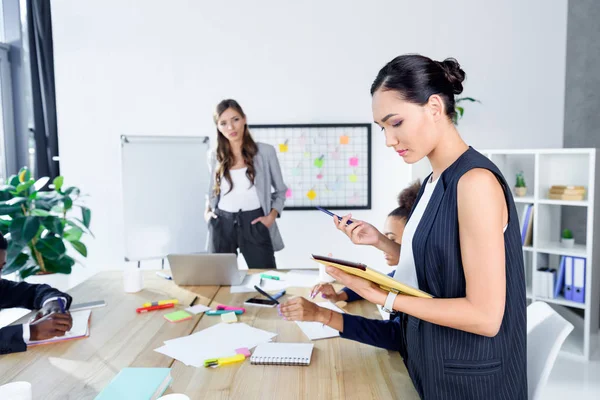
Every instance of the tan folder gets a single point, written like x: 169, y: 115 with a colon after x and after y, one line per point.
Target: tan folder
x: 361, y: 270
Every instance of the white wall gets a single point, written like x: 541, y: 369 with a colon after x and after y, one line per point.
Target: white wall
x: 156, y: 67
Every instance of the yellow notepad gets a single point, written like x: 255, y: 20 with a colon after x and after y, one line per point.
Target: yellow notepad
x: 361, y: 270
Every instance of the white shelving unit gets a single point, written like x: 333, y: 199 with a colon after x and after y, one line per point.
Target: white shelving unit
x: 542, y: 169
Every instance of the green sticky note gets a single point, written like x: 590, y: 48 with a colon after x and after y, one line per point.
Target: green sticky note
x: 178, y: 316
x: 318, y: 162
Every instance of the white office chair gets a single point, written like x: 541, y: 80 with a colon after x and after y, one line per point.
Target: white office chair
x: 546, y: 332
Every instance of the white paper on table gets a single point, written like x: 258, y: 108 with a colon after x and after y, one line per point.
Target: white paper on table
x: 316, y: 330
x: 197, y: 309
x: 302, y: 278
x: 268, y: 285
x: 220, y: 340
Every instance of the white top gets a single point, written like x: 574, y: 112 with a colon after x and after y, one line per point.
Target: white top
x: 407, y: 271
x: 243, y: 196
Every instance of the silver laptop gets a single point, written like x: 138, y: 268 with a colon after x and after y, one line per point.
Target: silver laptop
x: 204, y: 269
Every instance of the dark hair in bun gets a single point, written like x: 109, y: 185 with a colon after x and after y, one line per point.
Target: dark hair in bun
x: 416, y: 78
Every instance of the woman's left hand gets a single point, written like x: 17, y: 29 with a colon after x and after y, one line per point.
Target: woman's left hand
x: 364, y: 288
x: 300, y: 309
x: 266, y: 221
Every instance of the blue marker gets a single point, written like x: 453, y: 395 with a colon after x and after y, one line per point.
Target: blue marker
x: 278, y: 295
x: 334, y: 215
x: 62, y: 306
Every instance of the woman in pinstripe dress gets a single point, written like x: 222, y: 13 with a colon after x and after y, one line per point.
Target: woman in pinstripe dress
x: 461, y: 244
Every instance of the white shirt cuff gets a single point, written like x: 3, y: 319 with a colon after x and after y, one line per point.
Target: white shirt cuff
x: 26, y: 333
x: 55, y: 298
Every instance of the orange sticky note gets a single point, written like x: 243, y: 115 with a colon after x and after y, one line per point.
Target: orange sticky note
x: 353, y: 178
x: 283, y: 148
x: 311, y: 194
x: 344, y: 139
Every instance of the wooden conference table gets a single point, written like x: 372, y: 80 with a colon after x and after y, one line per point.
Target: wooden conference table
x: 120, y: 338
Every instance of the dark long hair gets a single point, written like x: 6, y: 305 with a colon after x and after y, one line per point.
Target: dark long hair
x: 417, y: 77
x: 406, y: 201
x: 224, y: 152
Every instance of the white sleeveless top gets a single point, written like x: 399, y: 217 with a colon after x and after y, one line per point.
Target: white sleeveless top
x: 407, y: 271
x: 243, y: 196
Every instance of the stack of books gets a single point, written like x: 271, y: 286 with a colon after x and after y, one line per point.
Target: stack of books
x: 558, y: 192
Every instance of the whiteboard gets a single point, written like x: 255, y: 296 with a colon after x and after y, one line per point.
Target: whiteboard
x: 165, y: 180
x: 327, y: 165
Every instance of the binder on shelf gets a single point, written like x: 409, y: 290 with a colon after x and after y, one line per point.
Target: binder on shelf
x: 568, y: 278
x: 579, y: 279
x: 560, y: 278
x: 527, y: 225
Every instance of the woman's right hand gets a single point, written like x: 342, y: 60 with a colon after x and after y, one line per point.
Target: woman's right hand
x: 359, y: 232
x: 208, y: 215
x: 327, y: 292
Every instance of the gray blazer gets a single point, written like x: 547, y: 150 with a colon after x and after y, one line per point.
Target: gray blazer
x: 268, y: 174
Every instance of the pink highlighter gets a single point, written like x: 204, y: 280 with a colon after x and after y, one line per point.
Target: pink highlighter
x: 229, y: 308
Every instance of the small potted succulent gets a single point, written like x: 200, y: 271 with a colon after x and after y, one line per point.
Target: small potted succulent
x: 520, y: 186
x: 567, y: 239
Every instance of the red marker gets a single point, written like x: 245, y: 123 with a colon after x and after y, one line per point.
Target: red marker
x: 152, y: 308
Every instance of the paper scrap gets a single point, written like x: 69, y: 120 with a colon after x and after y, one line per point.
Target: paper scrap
x: 197, y: 309
x: 316, y: 330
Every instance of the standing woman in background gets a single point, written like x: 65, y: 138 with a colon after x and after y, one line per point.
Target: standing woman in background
x: 241, y: 208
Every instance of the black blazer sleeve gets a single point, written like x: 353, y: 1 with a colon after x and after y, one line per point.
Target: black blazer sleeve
x: 385, y: 334
x: 11, y: 339
x: 25, y: 295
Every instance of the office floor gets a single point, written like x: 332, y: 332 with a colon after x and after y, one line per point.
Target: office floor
x: 573, y: 379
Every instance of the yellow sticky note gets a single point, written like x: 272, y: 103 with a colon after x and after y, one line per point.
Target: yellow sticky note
x: 229, y: 317
x: 283, y: 148
x: 311, y: 194
x: 344, y: 139
x: 353, y: 178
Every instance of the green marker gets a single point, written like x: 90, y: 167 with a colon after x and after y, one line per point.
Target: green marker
x: 275, y: 278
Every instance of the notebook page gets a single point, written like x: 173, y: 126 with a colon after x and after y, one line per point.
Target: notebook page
x: 79, y: 328
x: 316, y: 330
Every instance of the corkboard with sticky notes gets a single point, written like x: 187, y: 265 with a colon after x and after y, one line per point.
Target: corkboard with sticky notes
x: 326, y: 165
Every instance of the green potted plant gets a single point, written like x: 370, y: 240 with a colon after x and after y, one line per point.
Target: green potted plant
x: 41, y: 225
x: 460, y: 110
x: 567, y: 238
x: 520, y: 186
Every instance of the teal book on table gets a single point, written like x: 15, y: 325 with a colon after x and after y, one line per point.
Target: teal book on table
x: 137, y: 384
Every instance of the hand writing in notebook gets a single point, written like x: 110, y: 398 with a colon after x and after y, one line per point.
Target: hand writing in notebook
x: 50, y: 326
x: 301, y: 309
x: 366, y: 289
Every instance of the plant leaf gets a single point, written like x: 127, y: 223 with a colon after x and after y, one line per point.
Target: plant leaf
x: 67, y: 202
x: 58, y: 183
x: 24, y: 174
x: 77, y: 223
x: 72, y: 190
x: 14, y: 249
x: 8, y: 209
x: 80, y: 247
x: 61, y: 265
x: 51, y: 247
x: 73, y: 234
x: 461, y: 111
x: 86, y: 215
x: 28, y: 271
x: 16, y: 201
x: 16, y: 264
x: 25, y: 186
x: 40, y: 213
x: 13, y: 180
x: 40, y: 183
x: 53, y: 224
x: 23, y: 229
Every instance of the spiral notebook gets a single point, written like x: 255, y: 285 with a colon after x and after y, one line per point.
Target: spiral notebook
x: 282, y: 354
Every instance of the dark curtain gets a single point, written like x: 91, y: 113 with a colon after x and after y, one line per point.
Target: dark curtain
x: 43, y: 91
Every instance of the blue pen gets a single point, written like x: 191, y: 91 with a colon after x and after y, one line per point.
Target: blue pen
x: 334, y: 215
x: 278, y: 295
x: 62, y: 306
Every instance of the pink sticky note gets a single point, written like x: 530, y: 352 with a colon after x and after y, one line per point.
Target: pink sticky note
x: 319, y: 176
x: 353, y: 161
x: 244, y: 351
x: 288, y: 193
